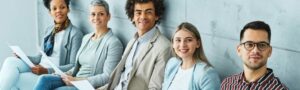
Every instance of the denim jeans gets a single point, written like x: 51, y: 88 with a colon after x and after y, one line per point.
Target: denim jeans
x: 13, y: 73
x: 51, y: 82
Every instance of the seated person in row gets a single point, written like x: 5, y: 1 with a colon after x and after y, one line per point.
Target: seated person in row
x: 254, y: 49
x: 61, y: 43
x: 97, y: 57
x: 190, y: 69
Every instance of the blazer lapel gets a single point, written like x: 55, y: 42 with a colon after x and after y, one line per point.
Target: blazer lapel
x: 141, y: 56
x: 83, y: 44
x: 101, y: 47
x: 126, y: 53
x: 172, y: 75
x: 65, y: 42
x: 67, y: 36
x: 121, y: 66
x: 139, y: 60
x: 127, y: 50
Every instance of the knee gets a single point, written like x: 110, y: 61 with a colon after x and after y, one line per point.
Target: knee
x: 46, y: 78
x: 46, y: 82
x: 41, y: 81
x: 40, y: 84
x: 43, y: 78
x: 13, y: 62
x: 9, y: 61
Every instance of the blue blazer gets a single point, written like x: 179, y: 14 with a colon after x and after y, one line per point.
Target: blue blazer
x: 109, y: 54
x: 203, y: 78
x: 70, y: 45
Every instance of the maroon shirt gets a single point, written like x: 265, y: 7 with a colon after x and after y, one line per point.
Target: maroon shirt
x: 267, y: 82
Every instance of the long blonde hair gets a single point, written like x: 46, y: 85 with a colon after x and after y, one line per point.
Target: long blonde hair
x: 199, y: 52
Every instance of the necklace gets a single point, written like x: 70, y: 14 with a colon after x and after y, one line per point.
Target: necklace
x: 98, y: 36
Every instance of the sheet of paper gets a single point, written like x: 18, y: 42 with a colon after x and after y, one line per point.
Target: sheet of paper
x: 56, y: 69
x: 83, y: 85
x: 22, y: 55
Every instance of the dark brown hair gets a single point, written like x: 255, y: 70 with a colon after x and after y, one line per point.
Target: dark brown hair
x: 158, y: 6
x: 47, y: 3
x: 256, y: 25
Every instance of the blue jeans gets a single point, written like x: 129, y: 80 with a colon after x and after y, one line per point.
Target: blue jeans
x: 51, y: 82
x: 15, y: 73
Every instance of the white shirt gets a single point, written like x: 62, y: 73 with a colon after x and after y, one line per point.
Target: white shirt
x: 54, y: 57
x: 182, y: 79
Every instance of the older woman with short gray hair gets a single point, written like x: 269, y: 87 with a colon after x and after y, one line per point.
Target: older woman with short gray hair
x: 97, y: 57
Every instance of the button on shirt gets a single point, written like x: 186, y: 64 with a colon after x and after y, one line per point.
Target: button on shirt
x: 140, y: 42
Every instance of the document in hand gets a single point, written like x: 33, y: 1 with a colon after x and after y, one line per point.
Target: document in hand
x: 56, y: 69
x: 22, y: 55
x: 83, y: 85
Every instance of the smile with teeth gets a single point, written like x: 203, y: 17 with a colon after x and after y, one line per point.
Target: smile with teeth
x: 143, y: 22
x: 59, y: 16
x: 183, y: 50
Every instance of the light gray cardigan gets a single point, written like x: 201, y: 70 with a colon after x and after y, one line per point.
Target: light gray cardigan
x: 70, y: 45
x: 109, y: 54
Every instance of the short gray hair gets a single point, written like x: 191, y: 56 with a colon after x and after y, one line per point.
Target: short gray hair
x: 102, y: 3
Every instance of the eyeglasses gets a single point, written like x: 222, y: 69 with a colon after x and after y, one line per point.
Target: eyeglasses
x: 249, y: 45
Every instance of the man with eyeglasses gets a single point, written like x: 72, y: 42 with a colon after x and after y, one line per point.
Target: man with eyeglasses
x: 254, y: 49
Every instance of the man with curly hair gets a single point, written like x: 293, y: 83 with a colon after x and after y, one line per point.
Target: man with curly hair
x: 143, y: 62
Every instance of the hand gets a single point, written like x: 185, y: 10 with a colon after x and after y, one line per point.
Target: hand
x: 38, y: 69
x: 67, y: 80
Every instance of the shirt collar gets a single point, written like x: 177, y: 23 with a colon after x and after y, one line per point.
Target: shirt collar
x: 147, y: 36
x: 262, y: 80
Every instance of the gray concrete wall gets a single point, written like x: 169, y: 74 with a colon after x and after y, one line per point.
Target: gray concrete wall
x: 18, y: 26
x: 218, y: 21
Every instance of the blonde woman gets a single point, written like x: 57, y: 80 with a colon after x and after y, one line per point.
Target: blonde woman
x: 190, y: 69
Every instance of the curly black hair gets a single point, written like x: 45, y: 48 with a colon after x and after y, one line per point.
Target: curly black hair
x: 158, y: 5
x: 47, y: 3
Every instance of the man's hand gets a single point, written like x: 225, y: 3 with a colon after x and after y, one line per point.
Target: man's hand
x: 38, y: 69
x: 67, y: 80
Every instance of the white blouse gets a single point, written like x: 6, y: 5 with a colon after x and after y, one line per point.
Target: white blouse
x: 54, y: 57
x: 182, y: 79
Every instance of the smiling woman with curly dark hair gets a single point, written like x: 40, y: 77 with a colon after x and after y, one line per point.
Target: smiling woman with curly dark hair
x: 61, y: 41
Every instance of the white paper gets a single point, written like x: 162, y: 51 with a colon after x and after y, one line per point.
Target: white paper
x: 83, y: 85
x: 22, y: 55
x: 56, y: 69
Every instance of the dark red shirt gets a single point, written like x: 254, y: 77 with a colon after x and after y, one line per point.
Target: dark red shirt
x: 267, y: 82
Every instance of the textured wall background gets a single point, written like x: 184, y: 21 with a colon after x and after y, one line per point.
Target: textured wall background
x: 219, y: 22
x: 18, y: 26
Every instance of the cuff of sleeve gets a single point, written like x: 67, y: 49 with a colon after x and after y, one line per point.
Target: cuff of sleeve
x: 50, y: 70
